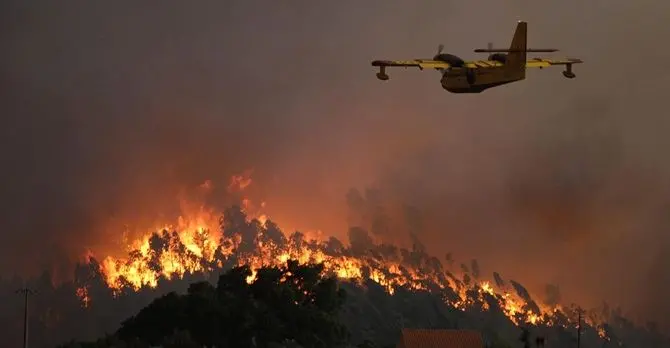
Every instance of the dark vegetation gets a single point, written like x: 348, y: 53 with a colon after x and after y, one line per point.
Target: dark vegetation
x: 219, y: 307
x: 293, y: 303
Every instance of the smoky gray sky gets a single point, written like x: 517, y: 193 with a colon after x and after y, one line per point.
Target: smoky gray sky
x: 110, y: 109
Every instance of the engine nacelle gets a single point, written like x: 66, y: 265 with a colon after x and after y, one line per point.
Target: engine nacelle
x: 498, y: 57
x: 452, y: 60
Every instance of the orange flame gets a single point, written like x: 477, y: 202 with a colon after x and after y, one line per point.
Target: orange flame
x: 82, y: 293
x: 196, y: 240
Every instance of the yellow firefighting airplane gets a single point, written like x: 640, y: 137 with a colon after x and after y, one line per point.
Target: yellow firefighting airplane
x: 503, y: 66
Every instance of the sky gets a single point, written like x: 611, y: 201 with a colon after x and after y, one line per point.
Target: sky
x: 109, y: 110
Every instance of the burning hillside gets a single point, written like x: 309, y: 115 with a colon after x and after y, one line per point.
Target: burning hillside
x: 202, y: 241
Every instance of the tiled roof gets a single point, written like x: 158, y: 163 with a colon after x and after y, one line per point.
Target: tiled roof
x: 427, y: 338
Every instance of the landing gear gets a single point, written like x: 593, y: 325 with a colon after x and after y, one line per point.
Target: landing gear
x: 568, y: 72
x: 382, y: 74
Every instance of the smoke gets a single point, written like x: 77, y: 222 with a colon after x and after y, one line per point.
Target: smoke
x: 110, y: 110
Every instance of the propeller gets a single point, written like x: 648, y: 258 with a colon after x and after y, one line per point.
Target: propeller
x: 440, y: 48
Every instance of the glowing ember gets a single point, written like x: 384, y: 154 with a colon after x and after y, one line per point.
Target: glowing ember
x: 82, y: 293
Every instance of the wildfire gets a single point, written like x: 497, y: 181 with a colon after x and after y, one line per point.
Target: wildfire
x: 82, y: 293
x: 197, y: 243
x: 192, y: 243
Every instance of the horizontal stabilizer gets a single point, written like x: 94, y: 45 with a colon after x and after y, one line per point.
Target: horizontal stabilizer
x: 505, y: 50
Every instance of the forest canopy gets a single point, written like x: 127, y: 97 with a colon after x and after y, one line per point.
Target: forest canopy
x: 292, y: 303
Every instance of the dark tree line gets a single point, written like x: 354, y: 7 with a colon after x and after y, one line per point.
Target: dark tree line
x: 294, y: 303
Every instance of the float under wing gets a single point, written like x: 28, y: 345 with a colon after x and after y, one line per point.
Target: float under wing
x: 547, y: 62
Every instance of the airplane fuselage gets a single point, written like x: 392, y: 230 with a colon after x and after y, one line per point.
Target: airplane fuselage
x: 467, y: 80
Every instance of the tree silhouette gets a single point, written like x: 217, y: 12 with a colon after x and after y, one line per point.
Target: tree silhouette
x: 180, y: 339
x: 290, y: 303
x: 525, y: 337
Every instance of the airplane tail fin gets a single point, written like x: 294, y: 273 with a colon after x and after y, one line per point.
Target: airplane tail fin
x: 516, y: 59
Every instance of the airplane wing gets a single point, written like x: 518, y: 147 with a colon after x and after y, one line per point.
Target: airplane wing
x: 417, y: 63
x: 438, y: 64
x: 545, y: 62
x: 435, y: 64
x: 474, y: 64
